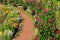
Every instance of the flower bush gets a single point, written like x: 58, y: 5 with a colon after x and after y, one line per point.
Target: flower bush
x: 48, y: 25
x: 9, y: 20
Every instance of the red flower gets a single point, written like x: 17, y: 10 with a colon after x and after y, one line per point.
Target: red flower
x: 36, y: 26
x: 36, y: 37
x: 36, y: 19
x: 51, y: 38
x: 45, y: 10
x: 33, y: 10
x: 39, y: 14
x: 40, y: 6
x: 58, y: 31
x: 37, y: 3
x: 59, y: 38
x: 49, y: 21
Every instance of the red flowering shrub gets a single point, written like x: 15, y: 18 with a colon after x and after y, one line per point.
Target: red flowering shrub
x: 45, y: 10
x: 49, y: 21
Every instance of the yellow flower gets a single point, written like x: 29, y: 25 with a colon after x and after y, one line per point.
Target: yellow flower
x: 24, y: 0
x: 6, y: 11
x: 0, y: 33
x: 57, y: 13
x: 12, y: 19
x: 0, y: 6
x: 15, y: 25
x: 58, y: 3
x: 42, y: 0
x: 57, y: 19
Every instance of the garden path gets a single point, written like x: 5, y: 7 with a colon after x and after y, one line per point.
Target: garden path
x: 26, y: 32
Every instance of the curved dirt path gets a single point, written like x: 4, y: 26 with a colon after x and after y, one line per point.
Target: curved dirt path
x: 26, y: 32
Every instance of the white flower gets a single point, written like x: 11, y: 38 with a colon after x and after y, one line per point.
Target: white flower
x: 35, y: 31
x: 16, y: 11
x: 10, y: 32
x: 18, y: 18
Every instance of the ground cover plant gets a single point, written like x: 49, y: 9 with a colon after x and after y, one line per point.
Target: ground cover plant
x: 9, y: 20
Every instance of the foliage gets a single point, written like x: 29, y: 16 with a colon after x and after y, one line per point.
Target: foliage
x: 9, y: 17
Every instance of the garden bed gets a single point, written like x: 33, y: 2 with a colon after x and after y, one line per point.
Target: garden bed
x: 47, y: 19
x: 9, y: 22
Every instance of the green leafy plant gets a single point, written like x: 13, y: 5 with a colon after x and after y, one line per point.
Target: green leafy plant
x: 10, y: 21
